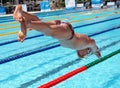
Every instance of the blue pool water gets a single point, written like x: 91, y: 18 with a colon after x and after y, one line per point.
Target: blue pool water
x: 41, y: 59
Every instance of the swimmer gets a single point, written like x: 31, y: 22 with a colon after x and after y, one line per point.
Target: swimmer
x: 63, y: 31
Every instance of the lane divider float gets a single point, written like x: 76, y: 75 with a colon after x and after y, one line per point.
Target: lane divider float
x: 78, y: 70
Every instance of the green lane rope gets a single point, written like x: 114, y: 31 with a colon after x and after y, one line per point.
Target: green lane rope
x: 78, y: 70
x: 103, y: 58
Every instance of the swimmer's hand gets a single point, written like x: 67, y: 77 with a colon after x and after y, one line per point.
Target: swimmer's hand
x: 21, y: 36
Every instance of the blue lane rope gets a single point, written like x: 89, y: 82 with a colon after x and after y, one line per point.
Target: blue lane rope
x: 97, y: 22
x: 30, y: 52
x: 12, y: 41
x: 38, y: 49
x: 114, y: 28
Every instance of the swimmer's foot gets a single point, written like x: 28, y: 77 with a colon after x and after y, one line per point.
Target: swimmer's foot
x: 17, y: 15
x: 23, y: 31
x: 84, y: 53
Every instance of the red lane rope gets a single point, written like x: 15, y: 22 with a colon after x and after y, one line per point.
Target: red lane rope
x: 76, y: 71
x: 62, y: 78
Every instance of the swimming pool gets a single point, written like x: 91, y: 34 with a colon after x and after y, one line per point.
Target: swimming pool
x: 41, y: 59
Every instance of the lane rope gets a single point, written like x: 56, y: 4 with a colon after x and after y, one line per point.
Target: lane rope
x: 78, y: 70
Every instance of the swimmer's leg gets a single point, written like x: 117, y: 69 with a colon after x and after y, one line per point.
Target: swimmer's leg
x: 34, y: 18
x: 20, y: 15
x: 18, y: 11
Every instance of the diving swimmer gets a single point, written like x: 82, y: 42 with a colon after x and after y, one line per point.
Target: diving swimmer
x: 63, y: 31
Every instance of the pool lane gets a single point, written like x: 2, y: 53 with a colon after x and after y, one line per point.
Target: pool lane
x: 45, y: 67
x: 34, y: 74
